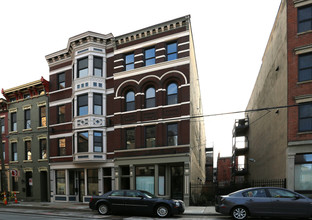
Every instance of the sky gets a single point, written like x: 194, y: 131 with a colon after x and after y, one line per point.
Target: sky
x: 229, y: 38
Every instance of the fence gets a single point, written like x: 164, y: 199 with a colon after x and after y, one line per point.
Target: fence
x: 204, y: 194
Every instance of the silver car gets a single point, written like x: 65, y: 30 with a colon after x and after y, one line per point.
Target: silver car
x: 264, y: 202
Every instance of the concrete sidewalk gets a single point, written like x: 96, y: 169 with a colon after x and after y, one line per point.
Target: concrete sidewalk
x: 72, y: 206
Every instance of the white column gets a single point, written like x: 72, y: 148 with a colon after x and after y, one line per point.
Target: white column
x: 90, y: 103
x: 290, y: 171
x: 75, y: 69
x: 104, y: 69
x: 100, y: 180
x: 66, y: 184
x: 86, y: 182
x: 90, y: 65
x: 90, y: 140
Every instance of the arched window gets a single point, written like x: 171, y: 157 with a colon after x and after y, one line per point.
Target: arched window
x: 130, y: 101
x: 150, y: 100
x: 172, y: 94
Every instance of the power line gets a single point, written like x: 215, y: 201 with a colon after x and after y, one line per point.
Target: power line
x: 164, y: 120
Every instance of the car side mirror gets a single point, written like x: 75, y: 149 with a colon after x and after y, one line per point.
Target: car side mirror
x: 297, y: 197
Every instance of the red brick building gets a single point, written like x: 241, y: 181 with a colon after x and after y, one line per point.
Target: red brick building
x: 224, y: 171
x: 121, y: 114
x: 280, y: 139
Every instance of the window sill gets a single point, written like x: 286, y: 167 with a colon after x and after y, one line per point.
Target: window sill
x: 304, y: 132
x: 42, y: 160
x: 28, y: 129
x: 304, y: 82
x: 42, y: 127
x: 13, y: 162
x: 27, y: 161
x: 13, y: 132
x: 305, y: 32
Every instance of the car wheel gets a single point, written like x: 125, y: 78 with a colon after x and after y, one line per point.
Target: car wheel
x: 239, y: 213
x: 162, y: 211
x: 103, y: 209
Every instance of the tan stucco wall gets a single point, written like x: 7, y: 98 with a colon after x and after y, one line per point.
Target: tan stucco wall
x: 268, y: 128
x: 197, y: 126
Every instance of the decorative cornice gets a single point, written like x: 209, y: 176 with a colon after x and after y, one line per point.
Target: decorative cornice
x: 76, y: 42
x: 154, y: 30
x: 29, y: 85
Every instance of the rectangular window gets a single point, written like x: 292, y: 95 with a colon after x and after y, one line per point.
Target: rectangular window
x: 150, y: 136
x: 161, y: 180
x: 172, y: 51
x: 97, y: 104
x: 14, y: 151
x: 304, y: 18
x: 303, y: 172
x: 2, y: 122
x: 82, y: 68
x: 149, y: 55
x: 13, y: 122
x: 62, y: 146
x: 42, y: 116
x: 82, y: 105
x: 83, y: 140
x: 60, y: 182
x: 172, y: 134
x: 130, y: 138
x: 144, y: 178
x: 93, y: 183
x: 27, y: 150
x: 27, y: 122
x: 61, y: 114
x: 305, y: 117
x: 98, y: 141
x: 97, y: 66
x: 305, y: 67
x: 61, y: 81
x: 43, y: 149
x: 129, y: 61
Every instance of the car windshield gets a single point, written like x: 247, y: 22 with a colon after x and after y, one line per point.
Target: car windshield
x: 148, y: 194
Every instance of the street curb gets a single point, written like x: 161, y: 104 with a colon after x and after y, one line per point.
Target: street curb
x: 84, y: 209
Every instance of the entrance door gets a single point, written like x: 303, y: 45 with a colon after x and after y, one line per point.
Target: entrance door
x: 44, y: 186
x: 177, y: 182
x: 29, y: 184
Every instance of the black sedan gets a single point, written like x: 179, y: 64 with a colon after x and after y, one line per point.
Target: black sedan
x: 264, y: 202
x: 135, y: 201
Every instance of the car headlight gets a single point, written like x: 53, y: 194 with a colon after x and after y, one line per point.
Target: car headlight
x: 177, y: 203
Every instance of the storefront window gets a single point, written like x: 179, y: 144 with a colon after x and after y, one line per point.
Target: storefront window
x: 60, y: 182
x: 93, y: 184
x: 303, y: 172
x: 145, y: 178
x: 161, y: 180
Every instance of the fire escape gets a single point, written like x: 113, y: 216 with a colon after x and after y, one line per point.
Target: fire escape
x: 240, y: 150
